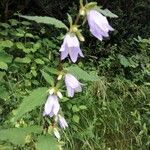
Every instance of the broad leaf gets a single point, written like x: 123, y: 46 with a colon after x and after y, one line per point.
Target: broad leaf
x: 47, y: 142
x: 107, y: 13
x: 48, y: 78
x: 3, y: 65
x: 25, y: 60
x: 124, y: 61
x: 6, y: 43
x: 17, y: 136
x: 81, y: 74
x: 36, y: 98
x: 46, y: 20
x: 4, y: 57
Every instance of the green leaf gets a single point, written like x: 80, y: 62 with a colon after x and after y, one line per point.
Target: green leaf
x: 20, y: 45
x: 81, y: 74
x: 47, y: 142
x: 3, y: 65
x: 90, y: 5
x: 39, y: 61
x: 51, y: 70
x: 4, y: 94
x: 75, y: 108
x: 70, y: 19
x: 6, y: 43
x: 36, y: 98
x: 76, y: 118
x: 4, y: 57
x: 13, y: 22
x: 17, y: 135
x: 107, y: 13
x: 124, y: 61
x: 2, y: 74
x: 25, y: 60
x: 48, y: 78
x: 82, y: 107
x: 46, y: 20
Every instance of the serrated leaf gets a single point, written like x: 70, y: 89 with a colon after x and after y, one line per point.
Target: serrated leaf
x: 81, y: 74
x: 76, y: 118
x: 47, y: 142
x: 48, y: 78
x: 2, y: 74
x: 75, y: 108
x: 36, y: 98
x: 25, y: 60
x: 17, y: 135
x: 4, y: 94
x: 124, y: 61
x: 4, y: 57
x: 82, y: 107
x: 3, y: 65
x: 6, y: 43
x: 107, y: 13
x: 46, y: 20
x: 70, y: 19
x: 51, y: 70
x: 39, y: 61
x: 13, y: 22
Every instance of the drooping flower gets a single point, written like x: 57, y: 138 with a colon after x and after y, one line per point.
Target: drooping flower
x: 71, y: 47
x: 51, y: 106
x: 99, y: 25
x: 62, y: 122
x: 72, y: 85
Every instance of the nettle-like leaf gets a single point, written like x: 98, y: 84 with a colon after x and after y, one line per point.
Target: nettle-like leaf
x: 47, y: 142
x: 18, y: 136
x: 123, y: 60
x: 46, y: 20
x: 36, y: 98
x: 81, y: 74
x: 48, y: 78
x: 3, y: 65
x: 6, y: 43
x: 106, y: 12
x: 4, y: 57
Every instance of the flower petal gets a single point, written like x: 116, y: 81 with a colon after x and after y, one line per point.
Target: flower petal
x: 49, y: 104
x: 64, y: 54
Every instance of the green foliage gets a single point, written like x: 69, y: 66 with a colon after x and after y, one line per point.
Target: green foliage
x: 81, y: 74
x: 47, y: 142
x: 36, y: 98
x: 107, y: 13
x: 48, y: 78
x: 46, y: 20
x: 18, y: 136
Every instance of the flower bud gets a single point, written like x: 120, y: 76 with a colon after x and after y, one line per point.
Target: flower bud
x: 59, y: 77
x: 59, y: 94
x: 51, y: 91
x: 82, y: 12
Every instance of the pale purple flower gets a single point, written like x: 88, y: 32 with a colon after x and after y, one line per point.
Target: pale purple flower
x: 62, y: 122
x: 51, y: 106
x: 71, y: 47
x: 72, y: 85
x: 99, y: 25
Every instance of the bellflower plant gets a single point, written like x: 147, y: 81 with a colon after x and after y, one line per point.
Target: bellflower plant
x: 51, y: 106
x: 99, y: 25
x: 62, y: 122
x: 72, y: 85
x: 71, y: 47
x: 100, y: 28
